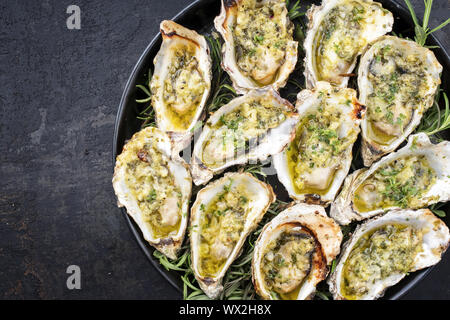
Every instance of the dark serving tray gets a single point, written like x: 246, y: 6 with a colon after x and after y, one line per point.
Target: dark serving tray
x: 199, y: 16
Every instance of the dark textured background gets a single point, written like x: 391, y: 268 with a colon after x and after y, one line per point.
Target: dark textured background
x: 59, y: 93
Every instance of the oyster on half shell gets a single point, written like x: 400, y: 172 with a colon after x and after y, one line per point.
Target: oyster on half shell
x: 250, y: 127
x: 222, y: 216
x: 293, y: 251
x: 259, y: 50
x: 155, y: 187
x: 181, y: 80
x: 397, y: 81
x: 415, y: 176
x: 314, y: 165
x: 338, y: 32
x: 383, y: 250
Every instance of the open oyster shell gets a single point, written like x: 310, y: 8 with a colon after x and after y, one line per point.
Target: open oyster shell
x: 415, y: 176
x: 314, y: 165
x: 181, y: 80
x: 155, y: 188
x: 304, y: 241
x: 222, y: 216
x: 397, y: 81
x: 338, y: 32
x: 249, y: 127
x: 400, y: 241
x: 259, y: 50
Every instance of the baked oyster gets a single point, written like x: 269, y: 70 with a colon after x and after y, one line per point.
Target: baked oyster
x: 181, y: 80
x: 259, y: 50
x: 415, y: 176
x: 293, y: 251
x: 155, y: 188
x: 314, y: 165
x: 383, y: 250
x: 222, y: 216
x: 338, y: 32
x: 397, y: 81
x: 249, y: 127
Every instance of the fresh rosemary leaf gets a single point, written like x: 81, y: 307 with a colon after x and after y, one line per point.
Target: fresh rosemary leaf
x: 423, y: 31
x: 146, y: 91
x: 439, y: 213
x: 436, y: 119
x: 294, y: 12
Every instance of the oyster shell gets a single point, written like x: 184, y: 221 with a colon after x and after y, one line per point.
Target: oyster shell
x: 314, y: 165
x: 414, y: 177
x: 222, y: 216
x: 400, y: 241
x: 249, y: 127
x: 259, y: 50
x: 397, y: 81
x: 181, y: 80
x: 304, y: 241
x: 338, y: 31
x: 155, y: 188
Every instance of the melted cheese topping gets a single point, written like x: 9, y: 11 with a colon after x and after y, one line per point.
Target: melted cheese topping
x: 400, y: 85
x: 380, y: 253
x: 400, y: 183
x: 238, y: 130
x: 221, y: 225
x: 153, y: 186
x: 287, y: 262
x: 261, y: 36
x: 315, y: 154
x: 341, y: 37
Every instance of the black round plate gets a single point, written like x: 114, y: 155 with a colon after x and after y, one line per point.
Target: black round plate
x: 199, y: 16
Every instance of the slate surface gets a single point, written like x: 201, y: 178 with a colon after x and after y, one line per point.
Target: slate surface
x: 59, y: 93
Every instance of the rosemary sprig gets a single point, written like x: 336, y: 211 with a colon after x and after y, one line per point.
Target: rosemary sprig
x: 294, y: 12
x: 323, y: 295
x: 257, y: 170
x: 435, y: 208
x: 147, y: 115
x: 423, y: 31
x: 221, y: 90
x: 436, y: 119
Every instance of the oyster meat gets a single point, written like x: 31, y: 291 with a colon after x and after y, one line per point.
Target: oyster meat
x: 415, y: 176
x: 383, y: 250
x: 155, y: 188
x: 222, y: 216
x: 293, y: 251
x: 181, y: 80
x: 249, y: 127
x: 259, y: 50
x: 397, y: 81
x: 338, y: 32
x: 314, y: 165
